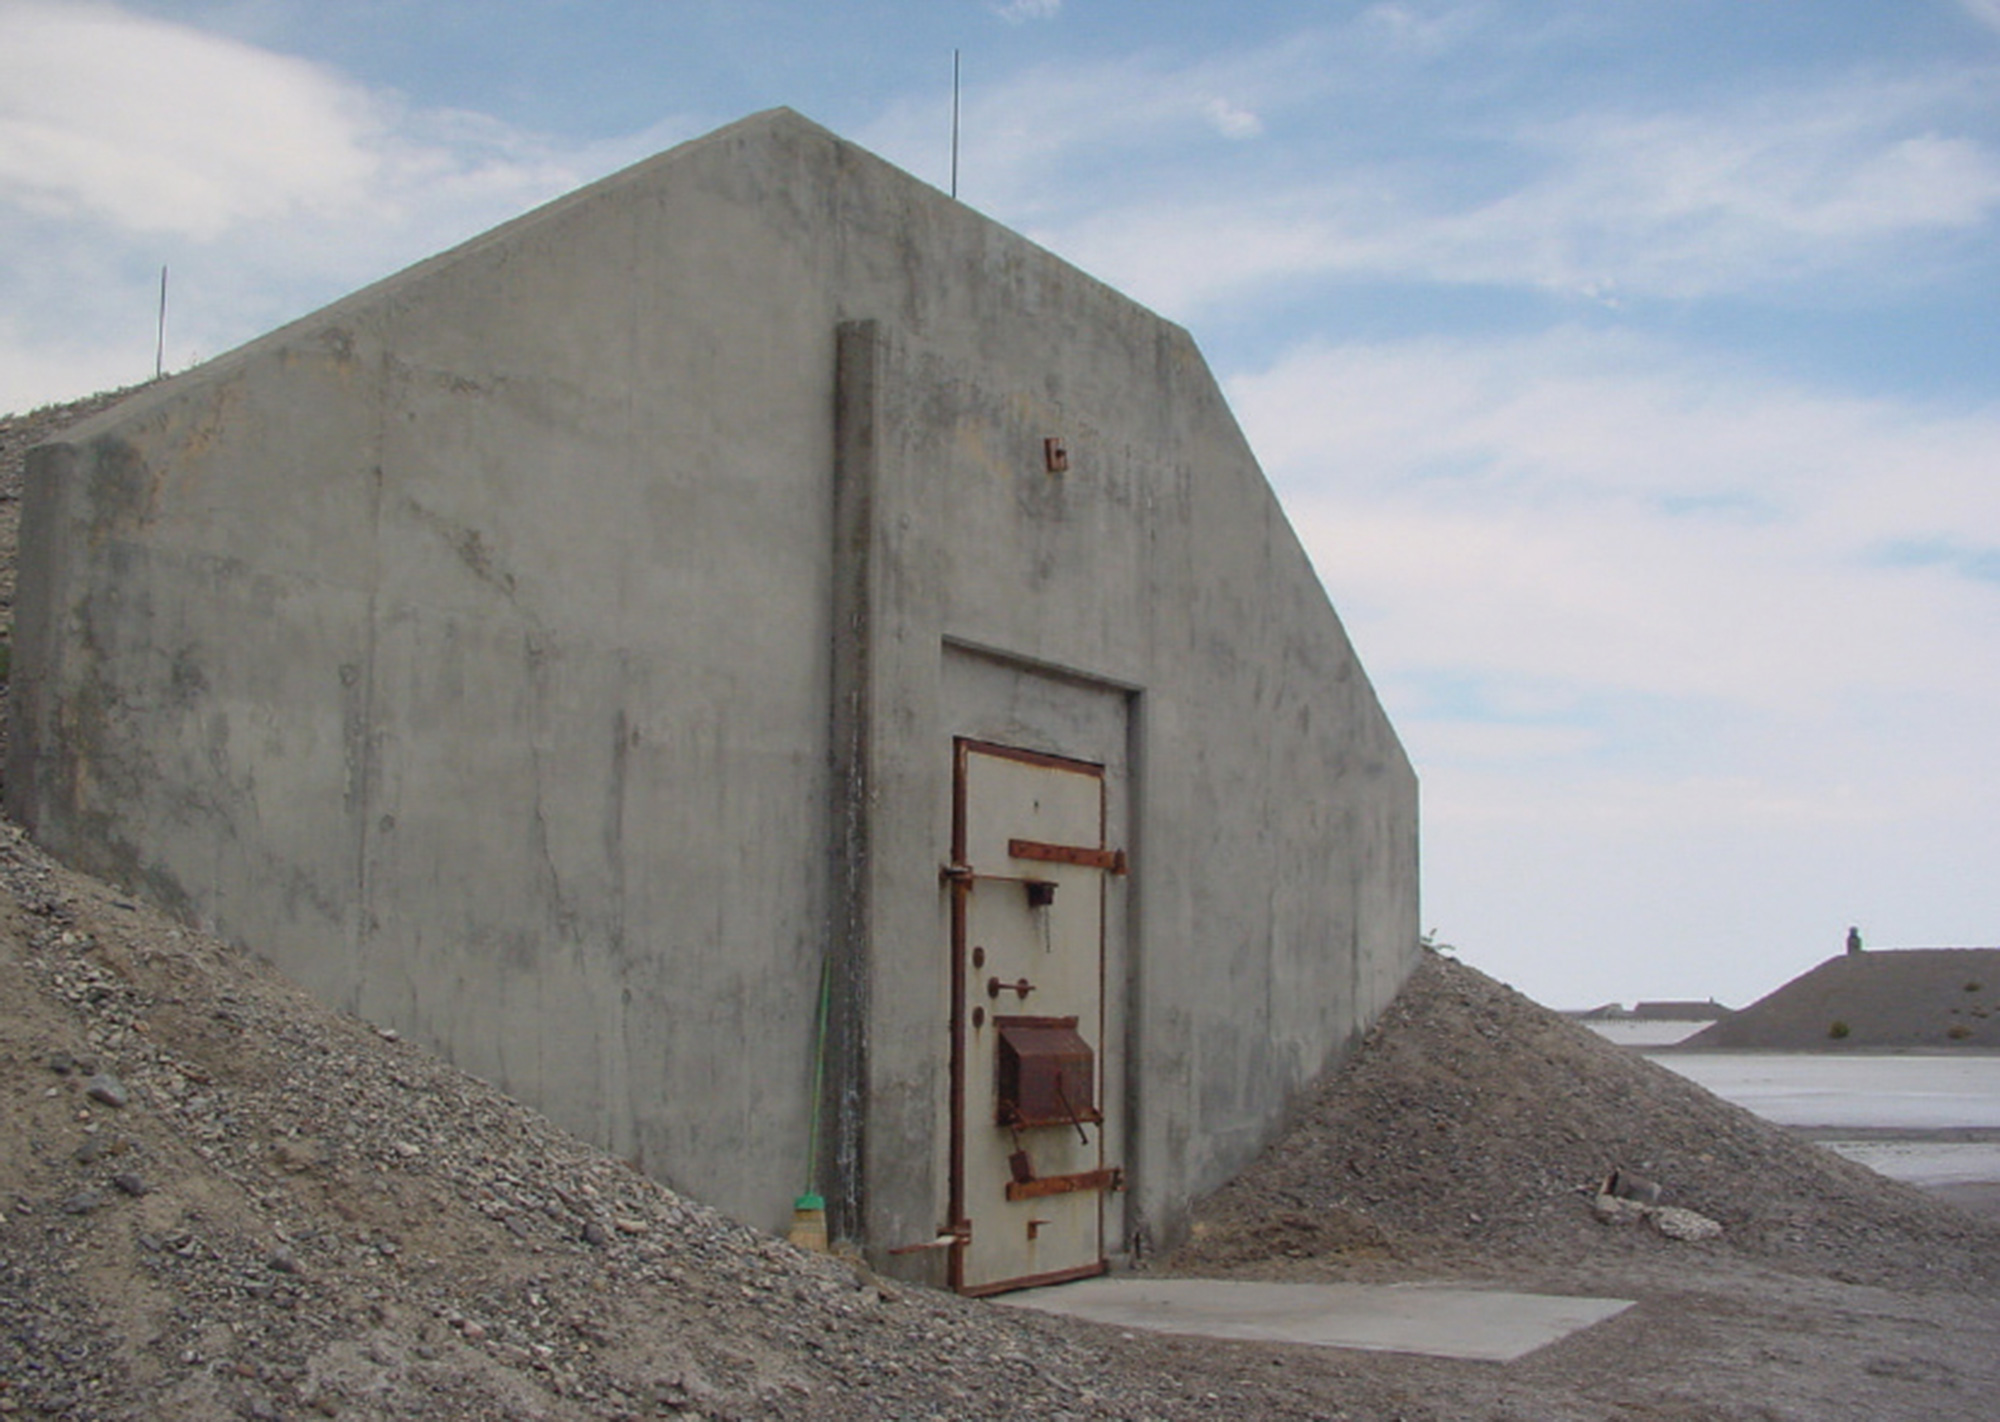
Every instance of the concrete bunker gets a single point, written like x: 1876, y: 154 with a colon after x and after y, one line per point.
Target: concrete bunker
x: 753, y: 590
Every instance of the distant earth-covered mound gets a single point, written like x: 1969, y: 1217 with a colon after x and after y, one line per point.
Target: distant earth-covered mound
x: 1906, y: 997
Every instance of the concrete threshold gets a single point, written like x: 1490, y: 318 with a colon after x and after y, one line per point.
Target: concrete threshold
x: 1481, y: 1324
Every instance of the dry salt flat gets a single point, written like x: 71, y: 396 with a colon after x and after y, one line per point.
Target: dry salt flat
x: 1930, y: 1119
x: 1905, y: 1091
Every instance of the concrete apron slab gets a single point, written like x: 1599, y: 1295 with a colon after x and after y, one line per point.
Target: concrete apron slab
x: 1480, y: 1324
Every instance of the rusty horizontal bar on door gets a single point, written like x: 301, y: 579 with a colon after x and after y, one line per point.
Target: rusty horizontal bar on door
x: 1038, y: 1281
x: 1109, y: 1179
x: 967, y: 875
x: 950, y: 1239
x: 1112, y: 861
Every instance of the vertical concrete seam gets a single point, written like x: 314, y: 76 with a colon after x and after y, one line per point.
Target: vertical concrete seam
x: 1142, y: 1199
x: 367, y: 772
x: 39, y: 671
x: 856, y: 452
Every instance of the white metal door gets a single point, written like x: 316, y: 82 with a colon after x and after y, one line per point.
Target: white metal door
x: 1028, y: 883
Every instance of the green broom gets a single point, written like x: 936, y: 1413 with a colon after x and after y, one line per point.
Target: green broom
x: 808, y: 1229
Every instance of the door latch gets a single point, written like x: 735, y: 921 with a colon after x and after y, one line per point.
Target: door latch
x: 1022, y: 987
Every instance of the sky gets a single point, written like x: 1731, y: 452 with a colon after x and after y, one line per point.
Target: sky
x: 1629, y: 368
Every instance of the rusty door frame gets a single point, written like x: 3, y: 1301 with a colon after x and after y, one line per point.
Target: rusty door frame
x: 961, y: 886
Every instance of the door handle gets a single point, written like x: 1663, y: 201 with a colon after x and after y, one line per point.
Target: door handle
x: 994, y: 987
x: 1075, y: 1116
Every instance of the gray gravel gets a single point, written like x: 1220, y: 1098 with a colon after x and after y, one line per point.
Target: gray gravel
x: 1475, y: 1126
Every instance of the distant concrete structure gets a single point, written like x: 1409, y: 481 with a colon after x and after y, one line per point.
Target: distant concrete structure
x: 1688, y: 1010
x: 1708, y: 1010
x: 752, y: 621
x: 1854, y: 940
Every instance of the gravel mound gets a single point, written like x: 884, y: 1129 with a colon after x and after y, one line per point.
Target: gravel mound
x: 1474, y: 1128
x: 1898, y: 998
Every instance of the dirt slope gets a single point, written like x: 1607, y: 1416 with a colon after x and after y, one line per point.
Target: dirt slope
x: 1901, y: 998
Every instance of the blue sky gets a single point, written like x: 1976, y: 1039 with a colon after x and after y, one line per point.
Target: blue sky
x: 1630, y: 370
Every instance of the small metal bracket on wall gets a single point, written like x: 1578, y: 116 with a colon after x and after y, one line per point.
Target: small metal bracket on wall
x: 1055, y: 454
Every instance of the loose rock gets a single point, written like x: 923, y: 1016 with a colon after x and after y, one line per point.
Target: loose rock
x: 1676, y: 1223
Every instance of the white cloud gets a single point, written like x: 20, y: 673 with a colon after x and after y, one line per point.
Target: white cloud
x: 1711, y: 885
x: 1016, y: 12
x: 1028, y: 135
x: 1677, y: 720
x: 1775, y: 191
x: 1608, y: 517
x: 1231, y: 121
x: 1987, y: 12
x: 1423, y: 30
x: 161, y: 128
x: 1687, y: 204
x: 268, y: 184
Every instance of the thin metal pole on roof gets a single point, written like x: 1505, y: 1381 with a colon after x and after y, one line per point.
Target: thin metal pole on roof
x: 160, y: 343
x: 954, y: 123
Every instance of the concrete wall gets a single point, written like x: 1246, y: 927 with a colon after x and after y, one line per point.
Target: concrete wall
x: 494, y: 650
